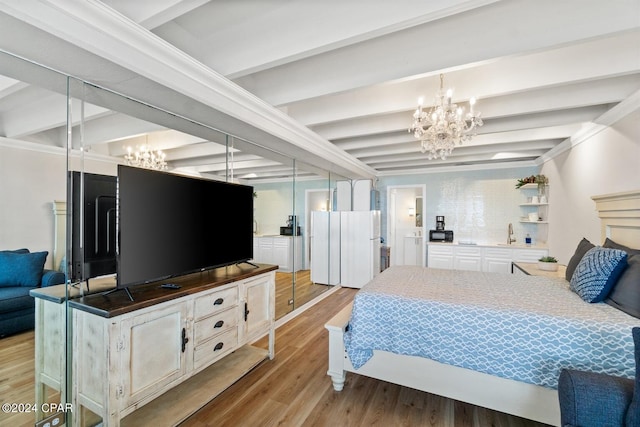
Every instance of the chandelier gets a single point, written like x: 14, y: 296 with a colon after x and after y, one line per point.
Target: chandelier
x: 444, y: 125
x: 145, y: 157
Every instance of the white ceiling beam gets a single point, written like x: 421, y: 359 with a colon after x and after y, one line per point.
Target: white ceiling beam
x: 498, y: 30
x: 539, y: 71
x: 151, y: 14
x: 9, y: 86
x: 218, y: 31
x: 362, y: 148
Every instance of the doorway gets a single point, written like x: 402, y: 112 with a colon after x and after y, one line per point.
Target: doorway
x: 406, y: 226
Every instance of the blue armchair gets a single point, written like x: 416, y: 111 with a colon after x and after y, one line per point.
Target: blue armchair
x: 597, y: 400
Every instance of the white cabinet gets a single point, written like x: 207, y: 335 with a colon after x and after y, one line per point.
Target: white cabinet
x: 480, y: 258
x: 467, y: 258
x: 128, y: 357
x: 283, y: 251
x: 265, y: 250
x: 413, y: 253
x: 497, y: 260
x: 440, y: 256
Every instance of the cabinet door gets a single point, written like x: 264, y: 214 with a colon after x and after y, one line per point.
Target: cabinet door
x: 468, y: 258
x: 468, y: 263
x: 440, y: 261
x: 497, y: 260
x: 153, y: 351
x: 497, y: 265
x: 282, y: 253
x: 440, y: 256
x: 258, y: 306
x: 265, y: 250
x: 412, y: 250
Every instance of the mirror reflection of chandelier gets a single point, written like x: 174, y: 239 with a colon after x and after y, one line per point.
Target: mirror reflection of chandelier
x: 145, y: 157
x: 444, y: 125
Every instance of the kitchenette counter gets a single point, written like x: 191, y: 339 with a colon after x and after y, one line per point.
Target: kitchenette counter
x: 490, y: 245
x: 488, y: 257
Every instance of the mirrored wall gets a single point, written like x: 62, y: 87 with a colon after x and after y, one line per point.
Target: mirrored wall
x: 60, y: 137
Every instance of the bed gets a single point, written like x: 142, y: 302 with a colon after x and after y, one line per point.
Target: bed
x: 536, y: 327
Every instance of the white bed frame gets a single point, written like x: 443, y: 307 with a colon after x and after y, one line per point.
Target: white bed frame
x: 620, y: 219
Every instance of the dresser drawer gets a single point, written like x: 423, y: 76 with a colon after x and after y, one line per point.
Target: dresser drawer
x: 215, y: 324
x: 215, y: 348
x: 215, y: 302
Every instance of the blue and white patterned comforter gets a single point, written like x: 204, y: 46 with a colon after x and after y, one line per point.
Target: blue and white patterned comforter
x: 520, y: 327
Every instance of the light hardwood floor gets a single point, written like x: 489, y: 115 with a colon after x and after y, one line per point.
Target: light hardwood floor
x: 303, y: 292
x: 291, y: 390
x: 294, y: 389
x: 17, y: 377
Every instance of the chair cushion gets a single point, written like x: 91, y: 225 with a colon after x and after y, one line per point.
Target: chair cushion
x: 583, y: 248
x: 585, y: 395
x: 51, y: 278
x: 625, y: 295
x: 633, y: 413
x: 15, y: 298
x: 21, y: 269
x: 597, y: 272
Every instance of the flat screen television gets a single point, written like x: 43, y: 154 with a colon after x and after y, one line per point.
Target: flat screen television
x: 170, y: 225
x: 93, y: 225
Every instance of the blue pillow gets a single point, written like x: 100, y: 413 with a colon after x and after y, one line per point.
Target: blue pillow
x: 21, y: 269
x: 597, y: 272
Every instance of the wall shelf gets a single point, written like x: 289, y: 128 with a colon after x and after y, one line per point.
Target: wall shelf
x: 530, y: 186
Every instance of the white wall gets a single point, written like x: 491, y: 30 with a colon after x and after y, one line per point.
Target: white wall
x: 608, y: 162
x: 272, y: 208
x: 29, y: 183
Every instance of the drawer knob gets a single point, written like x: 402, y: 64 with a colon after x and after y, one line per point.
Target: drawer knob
x: 218, y: 346
x: 219, y: 324
x: 219, y: 301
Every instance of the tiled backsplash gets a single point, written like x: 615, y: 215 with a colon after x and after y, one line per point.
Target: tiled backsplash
x: 477, y: 205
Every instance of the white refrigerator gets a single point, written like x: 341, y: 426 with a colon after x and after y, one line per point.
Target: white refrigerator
x: 325, y: 247
x: 359, y: 247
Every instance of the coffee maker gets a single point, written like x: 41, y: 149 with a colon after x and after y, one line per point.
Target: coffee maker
x: 439, y: 223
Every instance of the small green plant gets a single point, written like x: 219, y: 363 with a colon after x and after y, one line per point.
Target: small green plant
x: 548, y: 259
x: 533, y: 179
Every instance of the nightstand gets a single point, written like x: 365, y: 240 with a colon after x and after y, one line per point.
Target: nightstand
x: 531, y: 269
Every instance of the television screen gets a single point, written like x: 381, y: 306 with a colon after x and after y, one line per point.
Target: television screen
x: 170, y: 225
x: 93, y: 222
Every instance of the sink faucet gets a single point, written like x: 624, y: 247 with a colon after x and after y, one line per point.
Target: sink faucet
x: 510, y: 238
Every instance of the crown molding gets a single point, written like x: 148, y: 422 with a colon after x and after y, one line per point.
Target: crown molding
x: 95, y: 27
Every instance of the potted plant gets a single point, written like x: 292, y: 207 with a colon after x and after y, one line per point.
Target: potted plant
x: 548, y: 263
